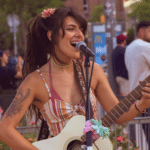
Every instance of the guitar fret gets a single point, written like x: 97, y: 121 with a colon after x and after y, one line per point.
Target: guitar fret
x: 104, y: 123
x: 113, y: 111
x: 128, y: 100
x: 110, y: 118
x: 145, y: 81
x: 117, y: 111
x: 137, y: 92
x: 124, y: 104
x: 120, y: 108
x: 139, y: 89
x: 133, y: 97
x: 106, y: 120
x: 140, y: 86
x: 113, y: 115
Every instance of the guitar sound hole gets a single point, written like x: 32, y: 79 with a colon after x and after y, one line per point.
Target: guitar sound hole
x: 75, y: 145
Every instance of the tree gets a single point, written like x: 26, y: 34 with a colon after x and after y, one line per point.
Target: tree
x: 26, y: 10
x: 130, y: 36
x: 140, y: 10
x: 96, y: 13
x: 5, y: 35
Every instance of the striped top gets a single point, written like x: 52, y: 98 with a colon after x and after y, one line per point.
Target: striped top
x: 57, y: 112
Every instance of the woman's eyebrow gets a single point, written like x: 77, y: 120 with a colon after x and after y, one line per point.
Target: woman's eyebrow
x: 71, y: 25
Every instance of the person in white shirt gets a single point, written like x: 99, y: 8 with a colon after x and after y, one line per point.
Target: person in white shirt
x: 137, y: 57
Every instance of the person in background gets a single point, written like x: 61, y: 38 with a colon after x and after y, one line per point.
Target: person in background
x: 52, y: 85
x: 12, y: 62
x: 7, y: 75
x: 20, y: 60
x: 137, y: 60
x: 20, y: 57
x: 118, y: 63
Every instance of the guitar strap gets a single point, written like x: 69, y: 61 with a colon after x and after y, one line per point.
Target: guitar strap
x: 81, y: 82
x: 44, y: 131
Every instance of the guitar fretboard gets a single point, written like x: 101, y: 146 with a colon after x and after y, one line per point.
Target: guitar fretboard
x: 124, y: 104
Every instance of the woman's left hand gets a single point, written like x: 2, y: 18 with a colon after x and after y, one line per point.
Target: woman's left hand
x: 145, y: 99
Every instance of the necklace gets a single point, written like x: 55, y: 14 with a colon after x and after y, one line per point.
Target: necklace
x: 53, y: 61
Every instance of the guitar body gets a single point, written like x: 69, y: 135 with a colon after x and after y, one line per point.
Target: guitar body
x: 70, y: 138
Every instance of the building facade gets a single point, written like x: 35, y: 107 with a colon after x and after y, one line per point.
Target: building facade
x: 85, y: 7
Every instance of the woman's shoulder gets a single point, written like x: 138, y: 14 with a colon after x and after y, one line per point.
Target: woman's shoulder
x: 98, y: 71
x: 31, y: 79
x: 97, y: 68
x: 97, y: 76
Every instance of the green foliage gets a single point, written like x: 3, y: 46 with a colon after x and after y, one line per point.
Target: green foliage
x: 130, y: 36
x: 96, y: 13
x: 31, y: 137
x: 29, y: 7
x: 122, y: 138
x: 141, y: 10
x: 4, y: 146
x: 4, y: 32
x: 26, y: 10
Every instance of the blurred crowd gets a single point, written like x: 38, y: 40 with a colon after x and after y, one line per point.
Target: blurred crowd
x: 10, y: 70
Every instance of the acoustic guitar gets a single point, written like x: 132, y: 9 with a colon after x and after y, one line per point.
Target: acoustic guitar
x: 70, y: 137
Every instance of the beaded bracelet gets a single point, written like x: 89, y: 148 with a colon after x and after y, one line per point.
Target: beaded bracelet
x: 144, y: 111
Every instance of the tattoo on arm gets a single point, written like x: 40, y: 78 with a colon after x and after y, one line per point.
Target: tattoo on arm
x: 16, y: 106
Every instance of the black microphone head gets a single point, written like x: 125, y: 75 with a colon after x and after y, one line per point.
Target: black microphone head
x: 79, y: 44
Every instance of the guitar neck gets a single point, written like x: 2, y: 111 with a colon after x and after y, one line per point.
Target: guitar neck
x: 124, y: 104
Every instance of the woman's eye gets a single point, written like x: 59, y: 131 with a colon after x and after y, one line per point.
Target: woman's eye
x: 70, y: 29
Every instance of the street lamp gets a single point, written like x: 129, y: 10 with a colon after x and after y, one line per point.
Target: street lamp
x: 13, y: 23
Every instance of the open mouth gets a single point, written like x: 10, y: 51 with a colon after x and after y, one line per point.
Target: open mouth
x: 73, y: 44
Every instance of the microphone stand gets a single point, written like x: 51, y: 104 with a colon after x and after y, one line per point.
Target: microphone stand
x: 88, y: 134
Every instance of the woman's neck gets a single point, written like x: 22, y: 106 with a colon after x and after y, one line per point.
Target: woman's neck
x: 61, y: 65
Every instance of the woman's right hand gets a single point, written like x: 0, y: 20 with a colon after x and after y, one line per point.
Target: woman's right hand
x: 24, y: 97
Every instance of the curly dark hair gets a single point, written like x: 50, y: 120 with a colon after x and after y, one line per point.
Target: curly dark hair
x: 38, y: 44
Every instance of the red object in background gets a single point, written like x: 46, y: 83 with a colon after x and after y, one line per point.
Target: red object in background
x: 103, y: 57
x: 119, y: 138
x: 1, y: 110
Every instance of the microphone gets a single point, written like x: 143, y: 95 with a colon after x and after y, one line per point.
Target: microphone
x: 81, y: 46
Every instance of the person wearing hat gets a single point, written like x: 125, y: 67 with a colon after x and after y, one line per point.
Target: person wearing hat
x: 7, y: 75
x: 119, y: 69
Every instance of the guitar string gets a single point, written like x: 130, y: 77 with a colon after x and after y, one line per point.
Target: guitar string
x: 74, y: 145
x: 79, y: 143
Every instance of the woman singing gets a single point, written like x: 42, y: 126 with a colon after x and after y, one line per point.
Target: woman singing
x: 50, y: 87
